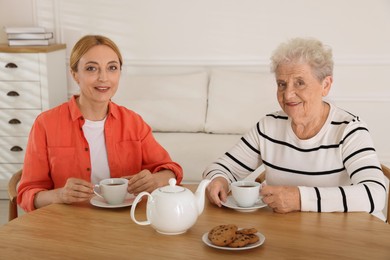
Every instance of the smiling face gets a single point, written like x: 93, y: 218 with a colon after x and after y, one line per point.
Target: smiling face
x: 300, y: 93
x: 97, y: 75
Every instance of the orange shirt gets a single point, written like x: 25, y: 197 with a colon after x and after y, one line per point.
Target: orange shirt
x: 58, y: 150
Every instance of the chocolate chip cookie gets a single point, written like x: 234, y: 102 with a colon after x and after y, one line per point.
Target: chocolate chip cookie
x: 222, y: 235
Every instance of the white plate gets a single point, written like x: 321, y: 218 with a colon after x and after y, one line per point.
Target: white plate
x: 231, y: 203
x: 100, y: 202
x: 206, y: 240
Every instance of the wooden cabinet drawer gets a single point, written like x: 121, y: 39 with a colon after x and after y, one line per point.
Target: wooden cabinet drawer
x: 19, y: 66
x: 12, y: 149
x: 17, y: 122
x: 8, y: 169
x: 20, y: 95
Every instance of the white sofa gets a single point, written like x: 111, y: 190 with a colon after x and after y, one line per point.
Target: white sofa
x: 198, y: 115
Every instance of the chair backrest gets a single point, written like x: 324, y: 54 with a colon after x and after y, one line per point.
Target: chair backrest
x: 13, y: 193
x: 386, y: 172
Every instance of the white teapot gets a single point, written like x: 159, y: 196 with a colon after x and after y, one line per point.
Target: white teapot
x: 172, y: 209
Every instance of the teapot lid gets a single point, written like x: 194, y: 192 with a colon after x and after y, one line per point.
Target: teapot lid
x: 172, y: 187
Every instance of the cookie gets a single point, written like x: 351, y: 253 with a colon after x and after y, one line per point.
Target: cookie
x: 212, y: 231
x: 222, y: 235
x: 217, y: 228
x: 253, y: 238
x: 241, y: 240
x: 247, y: 231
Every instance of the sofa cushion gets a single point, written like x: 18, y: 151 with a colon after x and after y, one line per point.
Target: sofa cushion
x: 237, y: 100
x: 168, y: 103
x: 195, y: 151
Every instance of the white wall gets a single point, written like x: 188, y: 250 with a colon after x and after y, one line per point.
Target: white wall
x: 15, y: 13
x: 235, y: 32
x: 212, y: 29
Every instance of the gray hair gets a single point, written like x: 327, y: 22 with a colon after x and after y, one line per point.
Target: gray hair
x: 305, y: 50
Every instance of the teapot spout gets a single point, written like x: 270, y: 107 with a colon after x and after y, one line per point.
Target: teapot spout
x: 200, y: 195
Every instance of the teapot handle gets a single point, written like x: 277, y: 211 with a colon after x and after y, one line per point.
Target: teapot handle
x: 136, y: 200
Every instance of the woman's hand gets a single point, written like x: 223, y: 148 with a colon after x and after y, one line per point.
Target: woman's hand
x: 146, y: 181
x: 217, y: 191
x: 281, y: 199
x: 75, y: 190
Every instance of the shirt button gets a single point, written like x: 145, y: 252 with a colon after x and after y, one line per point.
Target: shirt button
x: 88, y: 169
x: 86, y: 149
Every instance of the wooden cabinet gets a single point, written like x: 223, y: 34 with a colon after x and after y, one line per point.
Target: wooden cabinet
x: 32, y: 80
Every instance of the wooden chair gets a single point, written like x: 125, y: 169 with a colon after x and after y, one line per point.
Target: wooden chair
x: 386, y: 172
x: 12, y: 193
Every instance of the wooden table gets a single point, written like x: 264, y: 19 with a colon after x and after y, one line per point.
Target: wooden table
x: 82, y: 231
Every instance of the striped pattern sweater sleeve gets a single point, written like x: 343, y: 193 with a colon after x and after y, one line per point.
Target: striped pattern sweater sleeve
x: 336, y: 171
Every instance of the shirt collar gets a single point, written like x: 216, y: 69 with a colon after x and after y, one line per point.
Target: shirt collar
x: 75, y: 112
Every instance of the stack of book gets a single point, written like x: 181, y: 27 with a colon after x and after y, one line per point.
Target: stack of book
x: 28, y: 36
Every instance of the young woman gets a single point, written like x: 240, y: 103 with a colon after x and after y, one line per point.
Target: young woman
x: 75, y: 145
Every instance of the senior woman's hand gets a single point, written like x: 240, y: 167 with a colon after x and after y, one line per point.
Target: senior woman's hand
x: 217, y: 191
x: 281, y: 199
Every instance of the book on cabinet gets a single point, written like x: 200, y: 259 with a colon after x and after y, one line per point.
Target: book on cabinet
x: 9, y: 29
x: 30, y: 36
x: 28, y: 42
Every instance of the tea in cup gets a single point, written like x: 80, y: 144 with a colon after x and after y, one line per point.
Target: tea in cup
x: 112, y: 190
x: 245, y: 193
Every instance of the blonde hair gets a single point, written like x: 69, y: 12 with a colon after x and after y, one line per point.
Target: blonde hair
x: 86, y: 43
x: 305, y: 50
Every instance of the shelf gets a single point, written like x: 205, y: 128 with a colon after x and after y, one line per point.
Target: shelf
x: 31, y: 49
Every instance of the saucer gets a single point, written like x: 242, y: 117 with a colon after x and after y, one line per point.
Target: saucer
x: 100, y: 202
x: 206, y: 240
x: 231, y: 203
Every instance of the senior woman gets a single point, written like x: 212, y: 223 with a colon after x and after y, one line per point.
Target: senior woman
x: 90, y: 138
x: 317, y: 157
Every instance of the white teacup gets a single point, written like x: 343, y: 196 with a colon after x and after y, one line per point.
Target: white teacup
x: 246, y: 193
x: 113, y: 190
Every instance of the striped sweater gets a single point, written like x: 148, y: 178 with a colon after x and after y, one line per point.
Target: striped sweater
x: 336, y: 170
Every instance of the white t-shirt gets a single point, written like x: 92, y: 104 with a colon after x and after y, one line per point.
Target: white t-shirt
x: 94, y: 133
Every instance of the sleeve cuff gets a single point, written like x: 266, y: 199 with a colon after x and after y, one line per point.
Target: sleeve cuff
x: 308, y: 199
